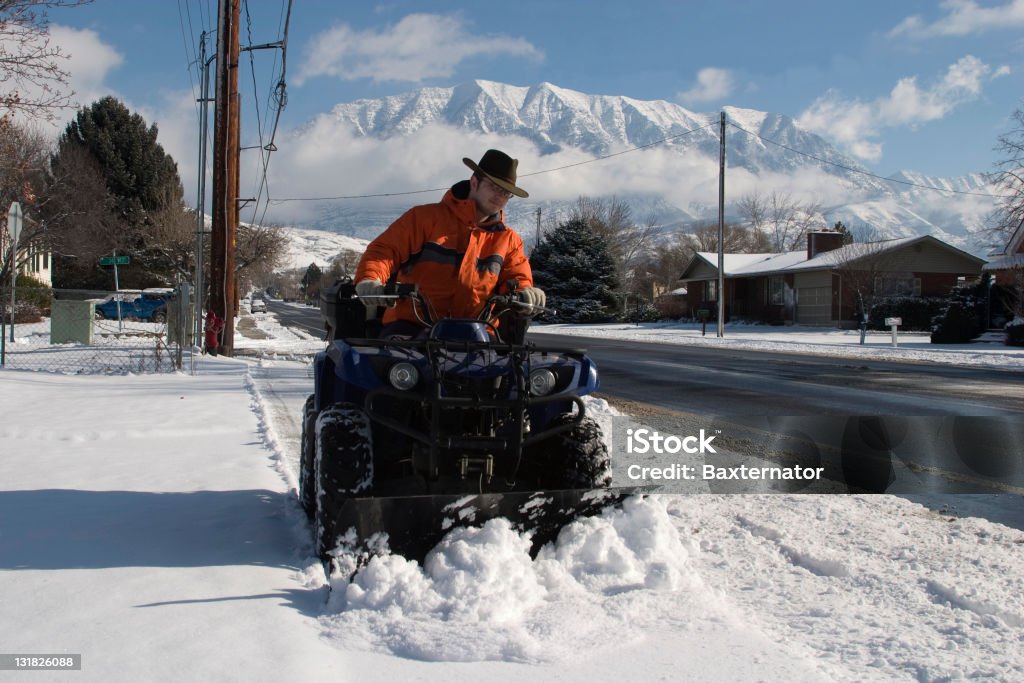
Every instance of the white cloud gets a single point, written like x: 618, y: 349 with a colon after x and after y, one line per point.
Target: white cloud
x: 329, y: 160
x: 90, y: 61
x: 418, y: 47
x: 713, y: 85
x: 961, y: 18
x: 856, y: 124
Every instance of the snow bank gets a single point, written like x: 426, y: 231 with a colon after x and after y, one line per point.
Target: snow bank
x: 479, y: 595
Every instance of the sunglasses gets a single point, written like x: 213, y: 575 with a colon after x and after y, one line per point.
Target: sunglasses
x: 498, y: 189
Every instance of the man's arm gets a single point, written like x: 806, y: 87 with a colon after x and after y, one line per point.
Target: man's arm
x: 388, y: 250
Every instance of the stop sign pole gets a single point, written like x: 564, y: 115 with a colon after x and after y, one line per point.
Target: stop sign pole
x: 14, y: 220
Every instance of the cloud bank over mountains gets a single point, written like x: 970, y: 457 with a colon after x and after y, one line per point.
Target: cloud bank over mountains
x: 659, y: 156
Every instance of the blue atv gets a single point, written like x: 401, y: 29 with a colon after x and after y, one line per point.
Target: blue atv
x: 460, y: 424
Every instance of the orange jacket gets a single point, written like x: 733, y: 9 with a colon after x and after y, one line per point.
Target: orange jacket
x: 456, y: 263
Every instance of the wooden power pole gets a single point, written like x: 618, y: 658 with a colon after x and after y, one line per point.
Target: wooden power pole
x: 223, y: 296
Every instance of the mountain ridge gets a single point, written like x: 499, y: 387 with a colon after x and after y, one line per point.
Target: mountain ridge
x: 771, y: 149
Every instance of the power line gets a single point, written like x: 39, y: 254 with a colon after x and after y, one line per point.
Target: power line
x: 646, y: 146
x: 193, y: 58
x: 525, y: 175
x: 277, y: 95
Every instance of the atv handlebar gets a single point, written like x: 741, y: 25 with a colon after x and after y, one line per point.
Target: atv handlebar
x: 495, y: 305
x: 502, y: 302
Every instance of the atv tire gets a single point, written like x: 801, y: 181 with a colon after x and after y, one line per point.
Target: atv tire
x: 344, y: 467
x: 307, y: 459
x: 578, y: 458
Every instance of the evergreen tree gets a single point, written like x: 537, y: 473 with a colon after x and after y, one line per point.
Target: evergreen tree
x: 574, y: 266
x: 844, y: 231
x: 143, y: 207
x: 310, y: 284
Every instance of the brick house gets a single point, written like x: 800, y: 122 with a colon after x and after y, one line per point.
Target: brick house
x: 807, y: 286
x: 1007, y: 268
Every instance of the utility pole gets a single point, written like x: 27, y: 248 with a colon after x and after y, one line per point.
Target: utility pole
x: 537, y: 243
x: 223, y: 297
x: 721, y: 228
x: 204, y: 108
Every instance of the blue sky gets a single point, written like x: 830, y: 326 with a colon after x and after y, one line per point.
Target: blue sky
x: 919, y: 85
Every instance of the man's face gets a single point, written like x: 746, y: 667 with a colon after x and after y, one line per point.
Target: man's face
x: 490, y: 197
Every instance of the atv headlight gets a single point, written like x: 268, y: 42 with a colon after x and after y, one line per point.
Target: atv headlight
x: 403, y: 376
x: 542, y: 381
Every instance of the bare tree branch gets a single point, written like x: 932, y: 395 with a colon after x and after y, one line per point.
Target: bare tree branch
x: 1010, y: 180
x: 784, y: 220
x: 862, y: 270
x: 33, y: 80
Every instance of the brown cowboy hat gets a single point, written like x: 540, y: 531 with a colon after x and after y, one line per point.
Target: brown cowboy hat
x: 499, y: 167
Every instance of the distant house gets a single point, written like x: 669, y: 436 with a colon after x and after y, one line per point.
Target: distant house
x: 34, y: 260
x: 816, y: 286
x: 672, y: 303
x: 1007, y: 265
x: 1007, y: 268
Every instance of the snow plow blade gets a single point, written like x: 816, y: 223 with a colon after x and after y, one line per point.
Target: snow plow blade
x: 415, y: 524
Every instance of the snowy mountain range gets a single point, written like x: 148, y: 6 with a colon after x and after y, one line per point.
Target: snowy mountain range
x: 677, y: 160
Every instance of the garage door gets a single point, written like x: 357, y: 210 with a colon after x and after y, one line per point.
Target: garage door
x: 814, y: 305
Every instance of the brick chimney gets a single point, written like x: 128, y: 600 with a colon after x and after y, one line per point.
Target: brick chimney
x: 820, y: 241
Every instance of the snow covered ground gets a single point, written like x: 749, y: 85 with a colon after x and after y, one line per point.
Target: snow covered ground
x: 149, y: 523
x: 989, y: 351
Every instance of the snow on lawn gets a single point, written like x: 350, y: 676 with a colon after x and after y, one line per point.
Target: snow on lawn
x: 150, y: 523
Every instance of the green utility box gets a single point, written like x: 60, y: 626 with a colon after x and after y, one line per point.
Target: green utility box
x: 71, y: 321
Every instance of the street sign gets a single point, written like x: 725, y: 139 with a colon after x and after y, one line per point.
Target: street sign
x: 14, y: 219
x: 115, y: 261
x: 893, y: 321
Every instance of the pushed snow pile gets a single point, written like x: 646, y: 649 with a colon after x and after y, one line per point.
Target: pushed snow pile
x: 479, y: 595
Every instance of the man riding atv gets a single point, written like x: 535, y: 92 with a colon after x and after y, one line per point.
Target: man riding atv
x: 458, y: 252
x: 442, y: 417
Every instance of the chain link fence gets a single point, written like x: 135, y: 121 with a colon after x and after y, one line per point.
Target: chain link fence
x: 66, y: 335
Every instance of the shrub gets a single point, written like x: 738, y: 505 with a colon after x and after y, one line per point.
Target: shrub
x: 644, y: 313
x: 917, y: 312
x: 1015, y: 332
x: 34, y: 293
x: 963, y: 320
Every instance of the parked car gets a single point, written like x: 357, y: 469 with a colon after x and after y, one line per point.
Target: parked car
x: 149, y: 306
x: 258, y: 306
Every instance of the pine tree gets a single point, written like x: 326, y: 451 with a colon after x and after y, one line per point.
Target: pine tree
x: 139, y: 174
x: 574, y: 266
x: 310, y: 284
x: 143, y: 205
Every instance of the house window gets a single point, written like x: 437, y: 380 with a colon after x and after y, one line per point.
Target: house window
x: 776, y: 291
x: 711, y: 290
x: 897, y: 285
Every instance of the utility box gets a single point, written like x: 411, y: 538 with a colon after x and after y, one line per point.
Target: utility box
x: 71, y: 321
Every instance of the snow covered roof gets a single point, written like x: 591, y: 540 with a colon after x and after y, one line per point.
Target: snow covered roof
x: 1013, y: 255
x: 744, y: 265
x: 1005, y: 262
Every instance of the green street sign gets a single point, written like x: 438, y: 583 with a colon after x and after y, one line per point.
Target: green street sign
x: 115, y: 261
